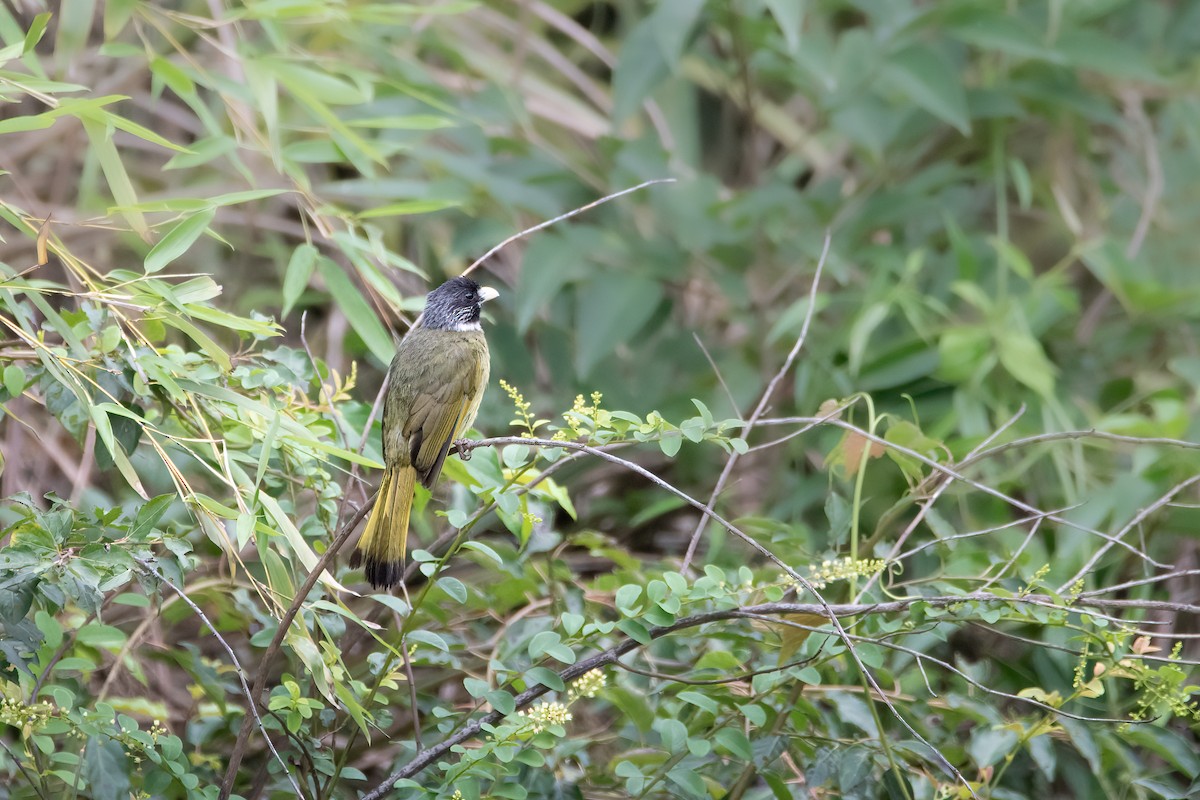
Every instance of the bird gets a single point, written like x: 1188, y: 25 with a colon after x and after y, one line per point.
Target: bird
x: 435, y: 384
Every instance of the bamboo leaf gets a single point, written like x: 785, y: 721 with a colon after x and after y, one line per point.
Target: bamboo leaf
x: 177, y: 240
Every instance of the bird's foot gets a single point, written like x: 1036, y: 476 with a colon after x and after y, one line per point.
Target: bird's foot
x: 463, y: 448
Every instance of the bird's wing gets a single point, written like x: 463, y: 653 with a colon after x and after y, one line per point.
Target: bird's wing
x: 437, y: 414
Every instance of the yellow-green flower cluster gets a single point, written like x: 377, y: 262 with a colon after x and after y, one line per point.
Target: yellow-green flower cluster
x: 18, y: 714
x: 545, y: 714
x: 580, y: 410
x: 588, y: 685
x: 1036, y: 580
x: 521, y: 405
x: 1074, y: 592
x: 841, y: 569
x: 1077, y: 680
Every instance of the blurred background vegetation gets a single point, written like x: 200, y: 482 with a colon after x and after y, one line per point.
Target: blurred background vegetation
x: 218, y: 215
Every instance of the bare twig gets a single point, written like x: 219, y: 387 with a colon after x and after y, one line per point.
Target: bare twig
x: 1071, y: 435
x: 37, y: 787
x: 716, y: 371
x: 254, y: 692
x: 254, y: 717
x: 573, y: 212
x: 766, y: 610
x: 1138, y: 518
x: 943, y: 485
x: 412, y: 697
x: 957, y: 475
x: 731, y: 462
x: 754, y: 544
x: 1183, y: 573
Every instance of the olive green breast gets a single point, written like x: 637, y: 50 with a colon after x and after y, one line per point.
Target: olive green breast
x: 436, y: 382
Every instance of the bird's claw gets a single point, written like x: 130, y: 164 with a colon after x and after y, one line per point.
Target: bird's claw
x: 463, y: 448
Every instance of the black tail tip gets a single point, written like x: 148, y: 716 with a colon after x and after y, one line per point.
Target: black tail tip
x: 380, y: 574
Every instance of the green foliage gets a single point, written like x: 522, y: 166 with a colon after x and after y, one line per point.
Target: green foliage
x: 217, y: 216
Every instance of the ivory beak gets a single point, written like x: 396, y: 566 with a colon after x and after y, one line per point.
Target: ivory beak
x: 487, y: 293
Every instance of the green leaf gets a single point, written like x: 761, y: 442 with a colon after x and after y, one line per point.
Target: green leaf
x: 635, y: 630
x: 736, y: 742
x: 394, y: 603
x: 572, y: 623
x: 74, y: 25
x: 1023, y: 357
x: 687, y: 779
x: 640, y: 68
x: 173, y: 77
x: 149, y: 515
x: 100, y: 136
x: 930, y: 80
x: 789, y: 16
x: 700, y: 700
x: 407, y: 207
x: 357, y: 310
x: 430, y: 638
x: 1004, y: 33
x: 481, y: 548
x: 672, y: 24
x: 612, y: 311
x: 177, y: 241
x: 1090, y: 49
x: 106, y: 768
x: 453, y: 587
x: 540, y: 642
x: 546, y: 677
x: 673, y: 734
x: 626, y: 598
x: 502, y: 701
x: 37, y: 29
x: 14, y: 380
x: 754, y: 714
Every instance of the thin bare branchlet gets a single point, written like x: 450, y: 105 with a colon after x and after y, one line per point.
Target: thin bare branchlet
x: 254, y: 719
x: 547, y: 223
x: 762, y: 405
x: 773, y: 613
x: 761, y: 550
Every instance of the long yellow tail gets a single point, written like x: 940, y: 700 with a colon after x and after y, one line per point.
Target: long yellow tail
x: 382, y: 546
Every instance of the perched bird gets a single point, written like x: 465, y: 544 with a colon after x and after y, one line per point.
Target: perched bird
x: 435, y: 383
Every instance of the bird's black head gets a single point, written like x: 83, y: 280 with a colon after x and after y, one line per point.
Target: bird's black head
x: 456, y: 305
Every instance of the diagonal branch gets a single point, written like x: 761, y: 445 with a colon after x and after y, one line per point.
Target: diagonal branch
x: 253, y: 718
x: 253, y: 693
x: 466, y: 447
x: 761, y: 408
x: 831, y: 612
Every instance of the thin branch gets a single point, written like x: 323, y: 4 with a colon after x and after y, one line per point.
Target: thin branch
x: 957, y: 475
x: 768, y: 610
x: 573, y: 212
x: 716, y: 371
x: 738, y: 678
x: 37, y: 787
x: 919, y: 656
x: 1183, y: 573
x: 241, y: 673
x: 1133, y: 523
x: 1091, y: 433
x: 1035, y: 518
x: 753, y: 543
x: 731, y: 462
x: 264, y: 665
x: 415, y: 710
x: 926, y: 506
